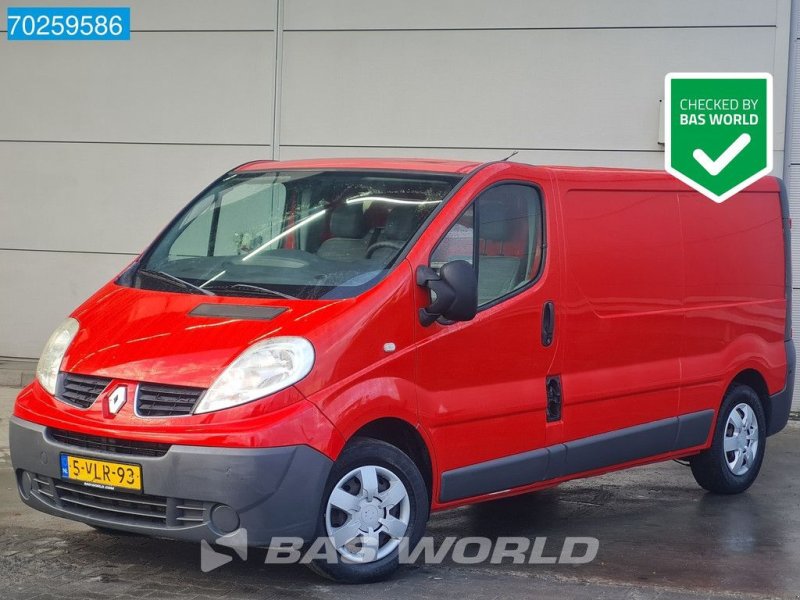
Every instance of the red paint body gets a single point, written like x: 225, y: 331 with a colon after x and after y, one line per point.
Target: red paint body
x: 662, y: 298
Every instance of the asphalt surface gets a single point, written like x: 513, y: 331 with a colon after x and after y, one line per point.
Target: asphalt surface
x: 660, y: 536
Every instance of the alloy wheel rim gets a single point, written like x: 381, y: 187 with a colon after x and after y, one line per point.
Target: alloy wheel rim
x: 367, y: 514
x: 741, y: 439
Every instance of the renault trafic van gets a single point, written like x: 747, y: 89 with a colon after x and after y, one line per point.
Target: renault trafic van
x: 331, y: 349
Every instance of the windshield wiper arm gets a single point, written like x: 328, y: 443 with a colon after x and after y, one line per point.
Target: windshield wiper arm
x: 255, y: 288
x: 163, y: 276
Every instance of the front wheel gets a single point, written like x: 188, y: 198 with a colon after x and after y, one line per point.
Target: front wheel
x: 375, y: 497
x: 733, y: 461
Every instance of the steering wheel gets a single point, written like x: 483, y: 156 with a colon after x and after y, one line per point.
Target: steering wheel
x: 378, y: 245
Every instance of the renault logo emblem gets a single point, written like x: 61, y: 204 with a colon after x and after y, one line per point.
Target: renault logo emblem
x: 116, y: 400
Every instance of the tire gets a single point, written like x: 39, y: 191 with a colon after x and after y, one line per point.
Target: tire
x: 367, y: 557
x: 741, y: 427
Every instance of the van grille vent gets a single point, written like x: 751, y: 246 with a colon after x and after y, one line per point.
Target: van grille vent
x: 107, y: 444
x: 80, y: 390
x: 119, y: 507
x: 155, y: 400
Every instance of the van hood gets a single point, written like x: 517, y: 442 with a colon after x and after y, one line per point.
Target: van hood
x: 180, y: 339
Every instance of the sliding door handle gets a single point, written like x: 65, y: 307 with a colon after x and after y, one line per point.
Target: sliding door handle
x: 548, y: 322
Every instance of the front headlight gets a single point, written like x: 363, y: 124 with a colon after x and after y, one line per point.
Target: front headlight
x: 53, y: 353
x: 263, y: 369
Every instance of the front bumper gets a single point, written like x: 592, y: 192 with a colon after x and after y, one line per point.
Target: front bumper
x: 189, y: 493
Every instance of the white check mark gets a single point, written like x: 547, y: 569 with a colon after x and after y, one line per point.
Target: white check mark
x: 714, y: 167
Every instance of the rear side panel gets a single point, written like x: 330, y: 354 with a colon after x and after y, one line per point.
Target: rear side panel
x: 668, y: 297
x: 735, y: 299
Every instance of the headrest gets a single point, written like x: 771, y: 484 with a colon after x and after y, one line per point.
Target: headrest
x: 376, y: 215
x: 347, y: 221
x: 495, y: 222
x: 401, y: 223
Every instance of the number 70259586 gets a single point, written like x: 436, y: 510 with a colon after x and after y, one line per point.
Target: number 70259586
x: 68, y: 23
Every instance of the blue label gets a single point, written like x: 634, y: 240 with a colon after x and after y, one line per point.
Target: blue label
x: 68, y: 23
x: 64, y: 466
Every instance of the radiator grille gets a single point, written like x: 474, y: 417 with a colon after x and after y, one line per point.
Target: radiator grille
x: 107, y: 444
x: 153, y: 400
x: 80, y: 390
x: 119, y: 507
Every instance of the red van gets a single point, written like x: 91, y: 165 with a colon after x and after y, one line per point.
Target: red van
x: 334, y: 348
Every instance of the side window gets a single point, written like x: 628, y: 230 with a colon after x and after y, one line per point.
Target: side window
x: 458, y: 243
x: 506, y: 246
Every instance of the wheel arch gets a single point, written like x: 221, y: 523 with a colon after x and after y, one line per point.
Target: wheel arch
x: 403, y: 435
x: 755, y: 380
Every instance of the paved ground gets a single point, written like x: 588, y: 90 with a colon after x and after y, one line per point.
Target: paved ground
x: 660, y: 537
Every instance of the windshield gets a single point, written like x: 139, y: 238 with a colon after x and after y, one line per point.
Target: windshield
x: 292, y: 234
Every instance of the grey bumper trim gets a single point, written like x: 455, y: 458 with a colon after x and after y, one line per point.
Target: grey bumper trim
x: 780, y: 404
x: 578, y: 456
x: 274, y: 491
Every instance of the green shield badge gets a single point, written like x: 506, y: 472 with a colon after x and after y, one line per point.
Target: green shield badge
x: 718, y: 130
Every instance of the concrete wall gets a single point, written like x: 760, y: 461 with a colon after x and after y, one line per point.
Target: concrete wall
x: 101, y: 143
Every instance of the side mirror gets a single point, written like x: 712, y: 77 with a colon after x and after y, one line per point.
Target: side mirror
x: 454, y: 292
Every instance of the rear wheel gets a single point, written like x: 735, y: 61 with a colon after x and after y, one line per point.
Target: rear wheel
x: 733, y: 461
x: 374, y: 498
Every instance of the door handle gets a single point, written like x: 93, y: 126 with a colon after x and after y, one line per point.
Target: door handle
x: 553, y: 387
x: 548, y: 322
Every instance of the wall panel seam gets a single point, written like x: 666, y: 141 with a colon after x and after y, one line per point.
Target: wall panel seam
x: 423, y: 147
x: 102, y: 252
x: 584, y: 28
x: 130, y: 143
x: 277, y: 84
x: 189, y: 31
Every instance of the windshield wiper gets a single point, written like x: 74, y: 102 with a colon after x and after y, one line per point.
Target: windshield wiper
x: 255, y: 288
x: 163, y: 276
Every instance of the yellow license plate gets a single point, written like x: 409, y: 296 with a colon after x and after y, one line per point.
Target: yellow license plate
x: 101, y: 473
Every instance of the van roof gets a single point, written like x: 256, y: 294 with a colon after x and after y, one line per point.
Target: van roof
x: 379, y: 164
x: 658, y: 177
x: 651, y: 178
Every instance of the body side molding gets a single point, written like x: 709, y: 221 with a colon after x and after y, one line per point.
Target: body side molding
x: 586, y: 454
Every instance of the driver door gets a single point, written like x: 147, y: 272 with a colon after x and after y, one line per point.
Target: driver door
x: 483, y: 382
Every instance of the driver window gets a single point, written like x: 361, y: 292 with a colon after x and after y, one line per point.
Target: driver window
x: 508, y: 244
x: 458, y: 243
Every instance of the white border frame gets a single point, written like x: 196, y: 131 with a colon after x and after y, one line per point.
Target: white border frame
x: 668, y: 131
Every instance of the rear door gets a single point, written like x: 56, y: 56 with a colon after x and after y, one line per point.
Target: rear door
x: 482, y: 383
